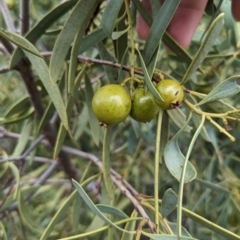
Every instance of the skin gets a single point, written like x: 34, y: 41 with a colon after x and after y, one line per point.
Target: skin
x: 184, y: 21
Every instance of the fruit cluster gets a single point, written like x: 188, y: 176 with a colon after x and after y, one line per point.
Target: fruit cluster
x: 111, y: 103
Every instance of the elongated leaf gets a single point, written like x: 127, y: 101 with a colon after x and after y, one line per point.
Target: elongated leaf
x: 158, y: 28
x: 35, y: 33
x: 18, y: 106
x: 173, y: 226
x: 78, y: 19
x: 205, y: 47
x: 111, y: 210
x: 166, y: 237
x: 130, y: 226
x: 94, y: 209
x: 19, y: 41
x: 148, y: 80
x: 169, y: 202
x: 52, y: 89
x: 16, y: 174
x: 225, y: 89
x: 110, y: 15
x: 24, y: 138
x: 92, y: 39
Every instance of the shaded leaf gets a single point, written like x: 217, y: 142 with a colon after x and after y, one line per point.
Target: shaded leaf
x: 148, y: 80
x: 169, y: 202
x: 228, y: 88
x: 158, y: 28
x: 92, y: 39
x: 111, y: 210
x: 179, y: 119
x: 35, y: 33
x: 78, y: 19
x: 173, y: 226
x: 110, y: 15
x: 16, y: 175
x: 210, y: 38
x: 94, y: 209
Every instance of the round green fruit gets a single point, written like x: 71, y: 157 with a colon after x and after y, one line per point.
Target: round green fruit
x: 171, y: 92
x: 144, y: 108
x: 111, y: 104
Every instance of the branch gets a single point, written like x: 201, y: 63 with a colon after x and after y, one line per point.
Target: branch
x: 24, y: 16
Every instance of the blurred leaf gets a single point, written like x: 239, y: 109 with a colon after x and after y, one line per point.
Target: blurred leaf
x: 3, y: 232
x: 179, y: 119
x: 130, y: 226
x: 91, y: 40
x: 169, y: 202
x: 24, y: 138
x: 111, y: 210
x: 94, y: 209
x: 118, y: 34
x: 166, y: 237
x: 110, y: 15
x: 77, y: 21
x: 148, y: 80
x: 16, y: 175
x: 20, y: 41
x: 210, y: 8
x: 210, y: 38
x: 52, y: 89
x: 228, y: 88
x: 112, y: 73
x: 35, y: 33
x: 173, y: 226
x: 152, y: 65
x: 158, y: 28
x: 17, y: 107
x: 164, y: 132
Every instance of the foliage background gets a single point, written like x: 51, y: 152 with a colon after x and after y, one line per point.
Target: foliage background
x: 36, y: 173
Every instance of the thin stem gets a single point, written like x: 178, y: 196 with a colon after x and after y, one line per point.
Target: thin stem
x: 181, y: 184
x: 7, y: 16
x: 156, y: 168
x: 24, y: 16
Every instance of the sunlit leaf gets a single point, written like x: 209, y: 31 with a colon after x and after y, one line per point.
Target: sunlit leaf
x: 111, y: 210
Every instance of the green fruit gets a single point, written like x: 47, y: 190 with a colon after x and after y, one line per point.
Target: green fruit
x: 144, y: 108
x: 171, y: 92
x: 111, y: 104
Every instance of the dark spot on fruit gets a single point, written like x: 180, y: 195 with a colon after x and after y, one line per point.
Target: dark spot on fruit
x: 238, y: 81
x: 176, y: 93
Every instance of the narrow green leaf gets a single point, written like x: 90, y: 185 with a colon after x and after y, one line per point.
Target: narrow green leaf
x: 179, y: 119
x: 210, y: 38
x: 16, y: 175
x: 158, y: 28
x: 73, y: 60
x: 169, y: 202
x: 24, y: 138
x: 166, y: 237
x: 17, y: 107
x: 111, y: 210
x: 118, y: 34
x: 173, y: 226
x: 3, y: 232
x: 52, y: 89
x: 92, y: 39
x: 148, y: 80
x: 94, y: 124
x: 19, y: 41
x: 130, y: 226
x: 94, y: 209
x: 164, y: 133
x: 79, y: 17
x: 228, y: 88
x: 110, y: 15
x: 36, y: 32
x: 62, y: 132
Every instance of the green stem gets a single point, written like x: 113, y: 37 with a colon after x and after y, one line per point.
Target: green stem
x: 106, y: 171
x: 156, y: 169
x: 181, y: 184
